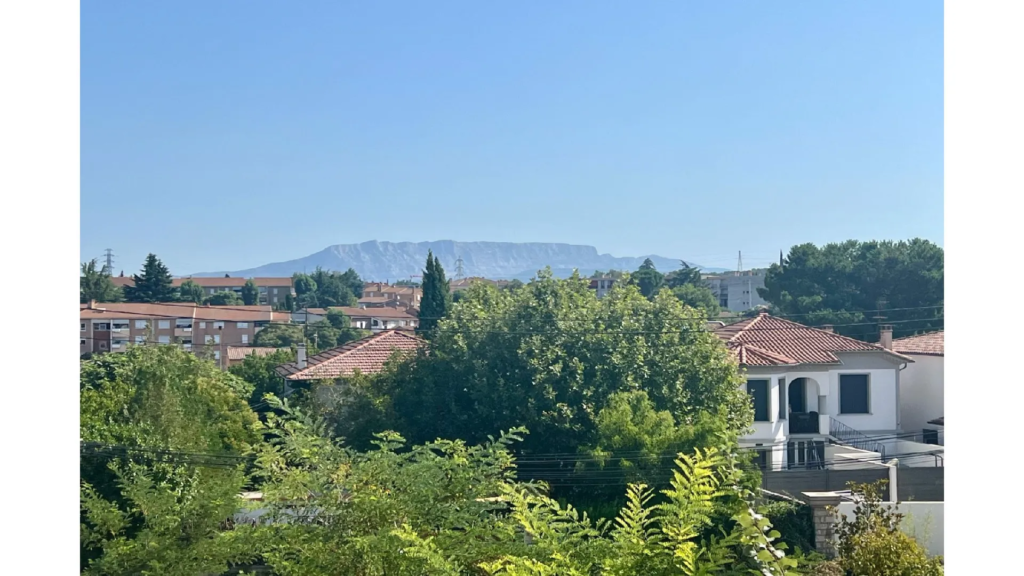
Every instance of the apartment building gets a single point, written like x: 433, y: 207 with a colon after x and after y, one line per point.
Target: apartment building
x: 206, y: 330
x: 272, y: 290
x: 602, y: 285
x: 737, y: 291
x: 381, y: 295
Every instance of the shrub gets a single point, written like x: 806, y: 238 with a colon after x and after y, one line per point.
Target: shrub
x: 795, y: 521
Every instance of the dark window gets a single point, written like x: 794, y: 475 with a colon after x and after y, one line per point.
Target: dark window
x: 758, y: 390
x: 763, y: 459
x: 782, y: 395
x: 931, y: 436
x: 853, y: 394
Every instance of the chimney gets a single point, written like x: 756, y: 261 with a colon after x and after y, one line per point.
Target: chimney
x: 300, y: 355
x: 885, y: 336
x: 828, y: 328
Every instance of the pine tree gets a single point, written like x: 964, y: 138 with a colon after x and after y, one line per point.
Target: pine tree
x: 436, y: 299
x: 96, y: 285
x: 153, y: 285
x: 250, y: 293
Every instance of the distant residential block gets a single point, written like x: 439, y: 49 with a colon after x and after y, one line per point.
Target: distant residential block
x: 272, y: 290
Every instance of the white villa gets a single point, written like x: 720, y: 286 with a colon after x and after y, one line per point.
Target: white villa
x: 814, y: 389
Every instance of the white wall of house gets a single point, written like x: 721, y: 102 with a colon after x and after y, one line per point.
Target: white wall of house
x: 883, y: 416
x: 921, y: 393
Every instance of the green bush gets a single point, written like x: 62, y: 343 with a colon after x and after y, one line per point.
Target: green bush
x: 795, y: 522
x: 881, y: 552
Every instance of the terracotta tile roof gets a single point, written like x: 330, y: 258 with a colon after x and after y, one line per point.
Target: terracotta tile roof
x: 212, y: 282
x: 240, y: 352
x: 930, y: 344
x: 765, y: 340
x: 367, y: 355
x: 130, y: 310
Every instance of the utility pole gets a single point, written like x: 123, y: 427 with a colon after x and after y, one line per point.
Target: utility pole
x: 108, y: 267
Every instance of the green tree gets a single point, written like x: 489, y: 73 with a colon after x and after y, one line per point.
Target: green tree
x: 343, y: 325
x: 250, y: 293
x: 685, y: 275
x: 279, y: 336
x: 95, y: 285
x: 351, y: 279
x: 189, y: 291
x: 437, y: 298
x: 153, y: 285
x: 261, y: 373
x: 305, y: 288
x: 223, y: 298
x: 146, y: 506
x: 648, y: 279
x: 698, y: 296
x: 332, y: 289
x: 849, y: 282
x: 548, y: 356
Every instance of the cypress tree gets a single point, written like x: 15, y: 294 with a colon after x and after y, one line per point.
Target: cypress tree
x: 250, y: 293
x: 153, y: 285
x: 436, y: 298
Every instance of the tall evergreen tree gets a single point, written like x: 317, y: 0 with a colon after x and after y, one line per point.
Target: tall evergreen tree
x: 96, y: 285
x: 153, y: 285
x: 250, y: 293
x: 648, y: 279
x: 437, y: 299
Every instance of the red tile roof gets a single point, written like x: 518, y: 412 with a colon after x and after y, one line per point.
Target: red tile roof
x: 211, y: 282
x: 130, y: 310
x: 240, y: 352
x: 930, y: 344
x: 765, y: 340
x: 368, y: 355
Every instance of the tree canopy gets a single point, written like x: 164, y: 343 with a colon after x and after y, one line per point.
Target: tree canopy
x: 648, y: 279
x: 189, y: 291
x: 95, y: 284
x: 224, y: 298
x: 548, y: 356
x: 323, y: 288
x: 154, y: 284
x: 861, y: 283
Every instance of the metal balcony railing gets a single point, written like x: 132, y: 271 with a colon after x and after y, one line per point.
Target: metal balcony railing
x: 854, y: 438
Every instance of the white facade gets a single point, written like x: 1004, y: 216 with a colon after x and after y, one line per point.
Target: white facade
x: 921, y: 386
x: 737, y: 292
x: 821, y: 395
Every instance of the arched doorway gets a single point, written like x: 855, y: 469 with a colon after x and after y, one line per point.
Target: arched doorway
x: 802, y: 400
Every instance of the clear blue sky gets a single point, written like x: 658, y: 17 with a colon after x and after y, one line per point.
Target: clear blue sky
x: 229, y: 134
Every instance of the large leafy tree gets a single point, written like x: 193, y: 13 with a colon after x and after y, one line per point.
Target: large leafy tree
x: 332, y: 289
x: 305, y: 289
x: 685, y: 275
x: 250, y: 293
x: 149, y: 505
x: 154, y: 284
x: 189, y: 291
x: 548, y: 356
x: 437, y: 298
x: 648, y: 279
x: 698, y: 296
x: 94, y: 284
x: 857, y: 285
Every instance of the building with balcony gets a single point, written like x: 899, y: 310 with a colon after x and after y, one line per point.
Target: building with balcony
x: 374, y: 319
x: 814, y: 390
x: 602, y: 285
x: 205, y: 330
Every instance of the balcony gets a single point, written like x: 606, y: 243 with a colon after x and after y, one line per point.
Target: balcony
x: 182, y: 332
x: 804, y: 423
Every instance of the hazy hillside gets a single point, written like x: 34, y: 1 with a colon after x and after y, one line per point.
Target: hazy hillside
x: 396, y: 260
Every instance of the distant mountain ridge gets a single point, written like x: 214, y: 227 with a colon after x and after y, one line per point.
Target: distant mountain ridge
x: 391, y: 261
